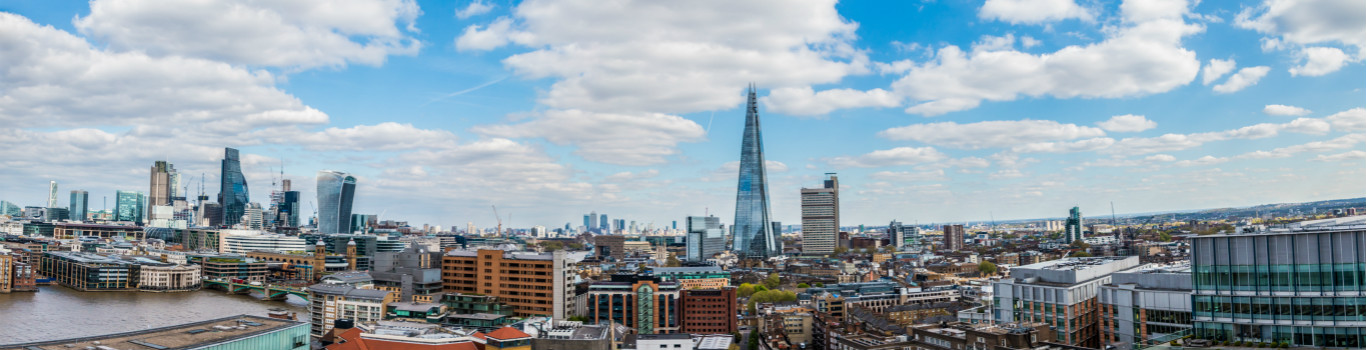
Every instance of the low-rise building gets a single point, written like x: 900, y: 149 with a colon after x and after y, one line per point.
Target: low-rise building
x: 227, y: 333
x: 708, y: 311
x: 169, y: 277
x: 642, y: 302
x: 1062, y: 293
x: 328, y: 303
x: 1146, y: 302
x: 701, y: 277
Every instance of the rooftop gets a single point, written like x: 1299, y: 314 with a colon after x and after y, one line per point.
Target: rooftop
x: 348, y: 291
x: 183, y: 336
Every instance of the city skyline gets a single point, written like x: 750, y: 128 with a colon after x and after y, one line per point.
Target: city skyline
x: 930, y: 112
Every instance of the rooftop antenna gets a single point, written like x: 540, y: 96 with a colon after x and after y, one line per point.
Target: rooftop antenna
x: 993, y: 220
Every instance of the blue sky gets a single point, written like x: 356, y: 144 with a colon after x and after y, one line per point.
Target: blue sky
x: 930, y: 111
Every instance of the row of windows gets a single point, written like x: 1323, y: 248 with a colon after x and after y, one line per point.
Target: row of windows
x: 1266, y: 308
x: 1165, y: 316
x: 1337, y: 337
x: 1281, y: 278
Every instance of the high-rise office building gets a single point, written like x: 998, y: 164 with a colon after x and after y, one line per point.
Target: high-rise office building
x: 52, y: 194
x: 128, y: 206
x: 902, y: 236
x: 160, y: 191
x: 287, y: 206
x: 754, y: 236
x: 821, y: 217
x: 1073, y: 229
x: 1300, y: 284
x: 336, y: 190
x: 80, y: 204
x: 603, y: 224
x: 232, y: 192
x: 11, y: 209
x: 592, y: 221
x: 953, y: 237
x: 705, y: 237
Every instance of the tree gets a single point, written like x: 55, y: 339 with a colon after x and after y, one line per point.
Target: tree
x: 754, y: 339
x: 839, y: 251
x: 578, y: 318
x: 773, y: 281
x: 1163, y: 236
x: 1081, y: 254
x: 770, y: 296
x: 760, y: 288
x: 803, y: 285
x: 1080, y: 244
x: 745, y: 290
x: 820, y: 285
x: 986, y: 268
x: 672, y: 261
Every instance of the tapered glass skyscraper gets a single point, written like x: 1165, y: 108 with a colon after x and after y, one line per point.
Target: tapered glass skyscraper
x: 232, y: 193
x: 336, y: 190
x: 754, y: 235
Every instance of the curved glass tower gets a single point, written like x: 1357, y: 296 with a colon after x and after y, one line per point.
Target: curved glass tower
x: 754, y: 236
x: 336, y: 190
x: 232, y: 193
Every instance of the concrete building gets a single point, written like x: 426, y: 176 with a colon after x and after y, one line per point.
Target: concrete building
x: 1146, y: 302
x: 1073, y: 230
x: 1300, y: 284
x: 708, y: 311
x: 609, y: 246
x: 169, y: 278
x: 821, y: 217
x: 1062, y: 293
x: 88, y: 271
x: 412, y: 272
x: 242, y: 242
x: 328, y: 303
x: 643, y: 302
x: 227, y: 333
x: 953, y: 237
x: 532, y: 284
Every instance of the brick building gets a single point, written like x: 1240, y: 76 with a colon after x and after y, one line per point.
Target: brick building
x: 532, y: 284
x: 708, y: 311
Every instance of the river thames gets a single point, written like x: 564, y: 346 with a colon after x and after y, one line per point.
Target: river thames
x: 57, y: 312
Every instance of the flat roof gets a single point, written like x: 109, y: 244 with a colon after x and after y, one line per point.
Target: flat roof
x: 173, y: 337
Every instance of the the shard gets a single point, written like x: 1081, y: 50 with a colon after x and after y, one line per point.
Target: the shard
x: 754, y: 236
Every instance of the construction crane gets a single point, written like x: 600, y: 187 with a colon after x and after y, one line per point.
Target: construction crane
x: 499, y: 218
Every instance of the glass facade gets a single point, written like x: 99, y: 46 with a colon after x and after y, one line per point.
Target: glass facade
x: 754, y: 237
x: 232, y: 193
x: 1304, y: 288
x: 128, y: 206
x: 80, y: 202
x: 336, y: 190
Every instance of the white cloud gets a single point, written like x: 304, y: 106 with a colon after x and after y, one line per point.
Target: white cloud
x: 1206, y: 160
x: 803, y: 101
x: 387, y: 136
x: 1127, y: 123
x: 640, y: 60
x: 60, y: 77
x: 1349, y: 120
x: 1320, y: 61
x: 990, y: 134
x: 1177, y: 142
x: 1300, y: 23
x: 475, y: 8
x: 1033, y: 11
x: 286, y: 34
x: 1244, y: 78
x: 1284, y: 110
x: 889, y: 157
x: 1216, y: 68
x: 1342, y: 142
x: 638, y: 139
x: 1350, y: 155
x: 909, y: 176
x: 896, y: 67
x: 1142, y: 57
x: 1065, y: 146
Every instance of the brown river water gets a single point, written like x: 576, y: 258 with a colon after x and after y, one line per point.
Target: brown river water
x: 57, y: 312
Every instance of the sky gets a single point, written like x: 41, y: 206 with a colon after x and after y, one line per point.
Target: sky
x: 929, y: 111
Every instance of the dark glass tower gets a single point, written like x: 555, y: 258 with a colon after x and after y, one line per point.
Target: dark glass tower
x: 1073, y: 229
x: 232, y: 193
x: 754, y: 235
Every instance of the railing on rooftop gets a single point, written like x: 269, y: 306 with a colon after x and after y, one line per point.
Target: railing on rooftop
x: 1161, y: 342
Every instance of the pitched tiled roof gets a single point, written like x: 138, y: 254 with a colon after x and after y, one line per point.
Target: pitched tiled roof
x: 507, y: 333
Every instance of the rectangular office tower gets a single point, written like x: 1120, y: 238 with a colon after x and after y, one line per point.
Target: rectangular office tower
x: 1301, y: 284
x: 1062, y: 293
x: 821, y: 217
x: 705, y: 238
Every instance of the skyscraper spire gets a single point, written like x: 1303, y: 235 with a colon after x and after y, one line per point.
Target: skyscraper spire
x: 754, y: 236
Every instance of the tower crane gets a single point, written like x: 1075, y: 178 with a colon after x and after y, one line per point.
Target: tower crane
x: 500, y: 219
